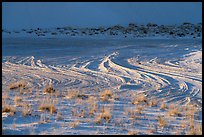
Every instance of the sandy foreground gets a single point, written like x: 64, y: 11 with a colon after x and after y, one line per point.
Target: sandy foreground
x: 114, y: 87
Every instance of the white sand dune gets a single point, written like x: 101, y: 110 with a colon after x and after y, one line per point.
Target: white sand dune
x: 176, y: 80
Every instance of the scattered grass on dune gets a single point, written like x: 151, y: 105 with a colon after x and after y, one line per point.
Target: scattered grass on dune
x: 99, y: 110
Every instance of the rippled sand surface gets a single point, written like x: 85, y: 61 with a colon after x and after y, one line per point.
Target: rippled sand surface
x: 169, y: 70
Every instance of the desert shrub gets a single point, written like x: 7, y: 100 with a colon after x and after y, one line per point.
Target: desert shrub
x: 93, y: 108
x: 98, y: 119
x: 153, y: 103
x: 174, y: 110
x: 133, y: 113
x: 132, y: 133
x: 72, y: 94
x: 91, y: 99
x: 17, y: 99
x: 49, y: 89
x: 194, y: 129
x: 5, y: 96
x: 74, y: 124
x: 163, y: 106
x: 106, y: 95
x: 183, y: 124
x: 161, y: 121
x: 104, y: 115
x: 16, y: 85
x: 8, y: 108
x: 27, y: 110
x: 189, y: 111
x: 139, y: 99
x: 139, y: 109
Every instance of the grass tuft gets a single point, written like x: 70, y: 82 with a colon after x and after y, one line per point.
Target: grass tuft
x: 49, y: 89
x: 104, y: 115
x: 153, y: 103
x: 106, y: 95
x: 132, y: 133
x: 74, y: 124
x: 161, y: 121
x: 16, y: 85
x: 174, y: 111
x: 163, y: 106
x: 139, y: 99
x: 8, y: 108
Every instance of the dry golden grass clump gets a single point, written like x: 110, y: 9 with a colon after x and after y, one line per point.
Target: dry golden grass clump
x: 49, y: 89
x: 139, y: 109
x: 8, y: 109
x: 161, y: 121
x: 16, y: 85
x: 5, y: 96
x: 139, y: 99
x: 153, y: 103
x: 74, y: 124
x: 27, y: 110
x: 17, y: 99
x: 183, y: 124
x: 98, y: 119
x: 132, y: 133
x: 106, y: 95
x: 189, y: 111
x: 133, y: 113
x: 93, y: 109
x: 194, y: 129
x: 91, y: 99
x: 105, y: 114
x: 163, y: 106
x: 73, y: 94
x: 174, y: 110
